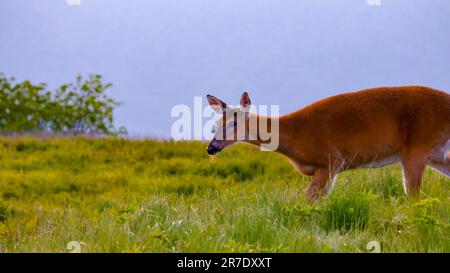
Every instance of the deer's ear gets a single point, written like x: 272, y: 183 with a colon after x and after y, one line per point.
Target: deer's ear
x: 245, y: 101
x: 218, y: 105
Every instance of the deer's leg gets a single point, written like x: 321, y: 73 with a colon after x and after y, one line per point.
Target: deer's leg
x: 321, y: 183
x: 413, y: 166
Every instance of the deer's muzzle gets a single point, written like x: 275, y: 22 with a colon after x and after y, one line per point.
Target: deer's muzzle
x: 213, y: 147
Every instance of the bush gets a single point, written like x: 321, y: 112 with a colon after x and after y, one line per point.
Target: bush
x: 79, y: 108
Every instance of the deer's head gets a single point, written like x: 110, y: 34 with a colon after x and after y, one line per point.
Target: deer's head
x: 232, y: 126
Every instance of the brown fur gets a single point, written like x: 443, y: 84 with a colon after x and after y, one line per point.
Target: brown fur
x: 353, y: 130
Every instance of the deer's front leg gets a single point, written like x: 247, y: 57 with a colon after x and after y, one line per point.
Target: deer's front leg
x: 321, y: 183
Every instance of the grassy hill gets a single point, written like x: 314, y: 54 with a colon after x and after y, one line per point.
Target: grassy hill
x: 117, y: 195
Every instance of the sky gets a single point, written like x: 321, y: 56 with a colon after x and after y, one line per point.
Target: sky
x: 162, y: 53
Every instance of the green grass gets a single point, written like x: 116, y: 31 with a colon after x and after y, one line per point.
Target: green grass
x: 117, y: 195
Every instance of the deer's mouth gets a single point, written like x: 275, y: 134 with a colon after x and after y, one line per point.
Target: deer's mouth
x: 213, y: 148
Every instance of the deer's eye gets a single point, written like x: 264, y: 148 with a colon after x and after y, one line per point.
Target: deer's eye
x: 232, y: 124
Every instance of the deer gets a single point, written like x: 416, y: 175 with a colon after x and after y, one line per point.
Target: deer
x: 371, y: 128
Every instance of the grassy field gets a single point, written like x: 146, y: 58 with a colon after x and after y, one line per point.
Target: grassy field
x: 117, y: 195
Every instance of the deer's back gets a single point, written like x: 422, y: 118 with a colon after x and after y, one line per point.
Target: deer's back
x: 380, y: 120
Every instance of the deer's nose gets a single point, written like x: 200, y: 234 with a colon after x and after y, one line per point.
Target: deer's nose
x: 213, y: 148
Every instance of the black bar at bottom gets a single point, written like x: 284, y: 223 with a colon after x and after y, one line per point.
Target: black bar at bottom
x: 224, y: 262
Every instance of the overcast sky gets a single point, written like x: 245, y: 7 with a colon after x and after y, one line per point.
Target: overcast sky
x: 162, y: 53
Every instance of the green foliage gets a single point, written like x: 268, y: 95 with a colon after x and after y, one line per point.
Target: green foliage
x: 79, y: 108
x: 118, y: 195
x: 347, y: 212
x: 341, y: 212
x: 23, y: 106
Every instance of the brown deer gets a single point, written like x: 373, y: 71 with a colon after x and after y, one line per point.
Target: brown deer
x: 366, y: 129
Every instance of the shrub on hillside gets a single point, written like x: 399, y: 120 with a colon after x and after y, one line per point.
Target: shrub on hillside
x: 82, y: 107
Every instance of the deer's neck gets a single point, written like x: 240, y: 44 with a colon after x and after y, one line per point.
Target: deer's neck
x: 277, y: 127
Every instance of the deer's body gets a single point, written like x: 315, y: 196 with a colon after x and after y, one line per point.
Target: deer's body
x: 368, y: 129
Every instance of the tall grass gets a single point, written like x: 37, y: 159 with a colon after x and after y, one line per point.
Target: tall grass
x: 117, y: 195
